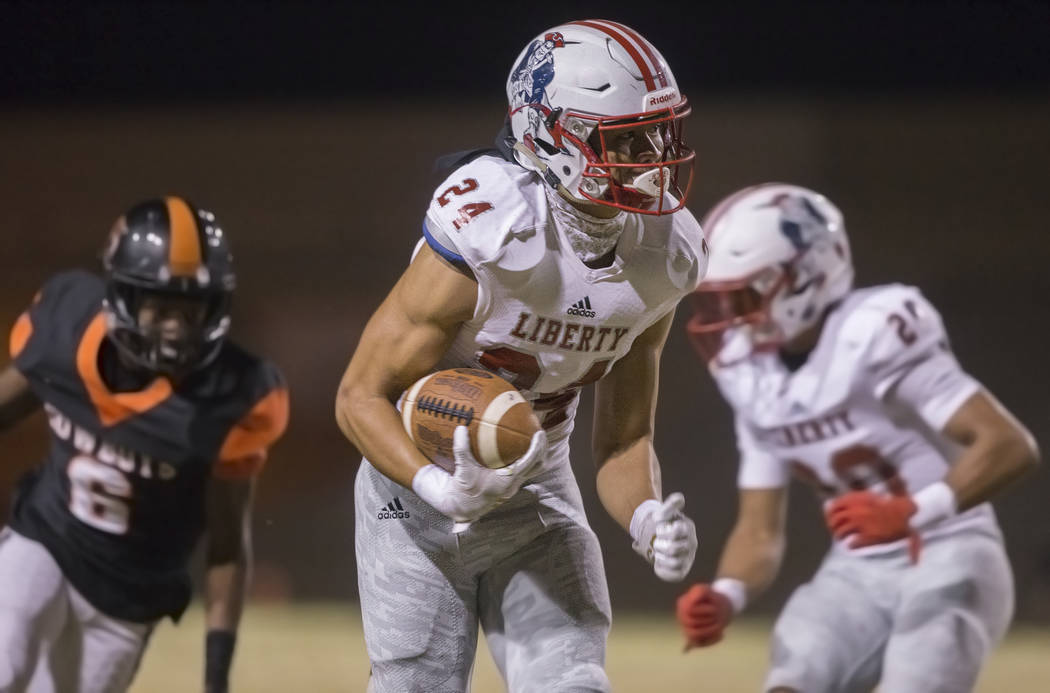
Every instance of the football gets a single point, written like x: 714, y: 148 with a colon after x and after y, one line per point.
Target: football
x: 500, y: 420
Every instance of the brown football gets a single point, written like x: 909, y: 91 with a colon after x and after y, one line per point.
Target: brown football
x: 500, y: 420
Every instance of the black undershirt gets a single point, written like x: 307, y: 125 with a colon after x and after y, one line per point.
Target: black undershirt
x: 603, y: 261
x: 794, y: 360
x: 116, y: 375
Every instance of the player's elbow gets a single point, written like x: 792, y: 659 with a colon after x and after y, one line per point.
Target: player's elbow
x: 232, y: 553
x: 1026, y: 451
x: 344, y: 410
x: 351, y: 405
x: 1016, y: 452
x: 636, y: 448
x: 228, y: 546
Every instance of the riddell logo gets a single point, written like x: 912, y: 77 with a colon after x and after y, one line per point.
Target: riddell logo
x: 657, y: 100
x: 393, y: 511
x: 582, y: 308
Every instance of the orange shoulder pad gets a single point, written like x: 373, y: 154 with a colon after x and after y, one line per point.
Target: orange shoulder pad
x: 244, y: 450
x: 20, y: 334
x: 22, y: 330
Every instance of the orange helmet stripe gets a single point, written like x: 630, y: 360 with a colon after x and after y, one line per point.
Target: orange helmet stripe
x: 184, y: 253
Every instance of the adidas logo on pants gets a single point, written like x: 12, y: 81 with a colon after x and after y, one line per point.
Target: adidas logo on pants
x: 393, y: 511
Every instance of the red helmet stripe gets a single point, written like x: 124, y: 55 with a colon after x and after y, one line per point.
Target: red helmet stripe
x: 625, y: 42
x: 646, y: 46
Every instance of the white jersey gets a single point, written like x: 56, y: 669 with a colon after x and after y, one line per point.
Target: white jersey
x: 544, y: 320
x: 866, y: 410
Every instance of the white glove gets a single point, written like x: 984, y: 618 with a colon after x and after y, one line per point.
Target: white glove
x: 473, y: 489
x: 665, y: 537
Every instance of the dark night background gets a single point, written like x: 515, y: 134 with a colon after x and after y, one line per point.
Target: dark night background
x: 310, y: 128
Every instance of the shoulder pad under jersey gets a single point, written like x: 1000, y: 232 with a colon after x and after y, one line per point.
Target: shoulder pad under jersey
x: 896, y: 327
x: 65, y: 303
x: 489, y: 211
x: 247, y: 442
x: 680, y: 237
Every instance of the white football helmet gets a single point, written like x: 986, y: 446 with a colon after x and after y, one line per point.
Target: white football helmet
x: 580, y: 83
x: 779, y: 258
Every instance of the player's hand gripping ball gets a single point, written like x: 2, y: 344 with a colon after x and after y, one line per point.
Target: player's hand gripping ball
x: 501, y: 422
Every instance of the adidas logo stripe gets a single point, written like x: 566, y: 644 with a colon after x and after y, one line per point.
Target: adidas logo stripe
x: 393, y: 511
x: 582, y: 308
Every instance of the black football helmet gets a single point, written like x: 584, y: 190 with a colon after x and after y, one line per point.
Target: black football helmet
x: 169, y: 249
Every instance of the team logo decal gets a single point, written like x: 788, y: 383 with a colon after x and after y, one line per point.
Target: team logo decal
x: 535, y: 71
x: 800, y: 221
x: 530, y: 79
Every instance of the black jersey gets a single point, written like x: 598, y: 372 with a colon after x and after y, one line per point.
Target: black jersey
x: 120, y: 498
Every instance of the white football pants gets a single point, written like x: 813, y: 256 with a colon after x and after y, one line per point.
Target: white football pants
x: 922, y: 628
x: 51, y: 639
x: 529, y: 573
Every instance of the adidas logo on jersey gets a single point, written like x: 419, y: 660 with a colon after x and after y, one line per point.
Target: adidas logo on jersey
x: 393, y: 511
x: 582, y: 308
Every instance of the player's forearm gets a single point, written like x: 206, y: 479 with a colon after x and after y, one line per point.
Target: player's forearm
x: 375, y: 428
x: 626, y: 478
x: 989, y: 464
x: 753, y: 557
x: 226, y: 585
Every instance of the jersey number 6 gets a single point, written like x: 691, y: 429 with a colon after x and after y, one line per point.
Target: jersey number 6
x: 99, y: 495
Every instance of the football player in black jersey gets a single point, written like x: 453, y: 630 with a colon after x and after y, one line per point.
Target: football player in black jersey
x: 158, y: 427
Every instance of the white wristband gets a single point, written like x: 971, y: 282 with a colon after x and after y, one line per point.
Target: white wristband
x: 641, y: 514
x: 934, y: 503
x: 734, y: 590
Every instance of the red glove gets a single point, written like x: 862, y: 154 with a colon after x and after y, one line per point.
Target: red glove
x: 871, y: 518
x: 704, y: 614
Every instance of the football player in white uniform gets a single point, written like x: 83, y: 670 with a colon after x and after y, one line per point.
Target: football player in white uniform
x: 857, y: 393
x: 555, y: 260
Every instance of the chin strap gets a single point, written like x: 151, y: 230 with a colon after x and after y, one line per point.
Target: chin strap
x: 541, y: 166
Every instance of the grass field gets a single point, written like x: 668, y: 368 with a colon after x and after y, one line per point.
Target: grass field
x: 319, y: 648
